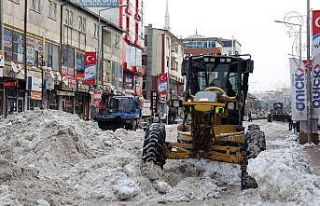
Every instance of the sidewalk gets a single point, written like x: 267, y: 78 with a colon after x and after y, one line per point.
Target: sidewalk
x: 312, y: 154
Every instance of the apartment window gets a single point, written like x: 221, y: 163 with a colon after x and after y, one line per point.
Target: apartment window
x: 52, y: 56
x: 96, y: 31
x: 107, y: 38
x: 116, y: 41
x: 52, y: 10
x: 82, y: 24
x: 35, y: 5
x: 68, y: 19
x: 68, y: 56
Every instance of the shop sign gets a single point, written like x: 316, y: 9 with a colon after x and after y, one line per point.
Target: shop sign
x: 65, y: 93
x: 162, y: 88
x: 11, y: 83
x: 36, y: 95
x: 34, y: 81
x: 90, y: 64
x: 128, y: 81
x: 50, y: 84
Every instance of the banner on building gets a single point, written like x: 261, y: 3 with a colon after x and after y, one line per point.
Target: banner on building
x: 34, y: 81
x: 1, y: 62
x: 97, y: 3
x: 90, y: 65
x: 298, y: 90
x: 163, y: 84
x: 316, y: 63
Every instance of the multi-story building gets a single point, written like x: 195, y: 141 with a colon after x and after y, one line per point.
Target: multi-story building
x: 128, y: 15
x: 231, y: 47
x: 198, y: 45
x: 44, y: 44
x: 163, y: 59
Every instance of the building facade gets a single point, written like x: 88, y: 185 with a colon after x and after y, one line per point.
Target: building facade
x: 163, y: 57
x: 199, y: 45
x: 128, y: 15
x: 44, y: 45
x: 231, y: 47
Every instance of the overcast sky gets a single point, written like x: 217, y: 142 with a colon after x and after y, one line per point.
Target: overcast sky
x: 249, y: 21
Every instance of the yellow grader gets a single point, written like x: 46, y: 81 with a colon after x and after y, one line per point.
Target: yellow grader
x: 214, y: 102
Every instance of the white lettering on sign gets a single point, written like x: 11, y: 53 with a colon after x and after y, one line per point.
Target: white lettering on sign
x: 316, y: 87
x: 300, y: 90
x: 317, y: 22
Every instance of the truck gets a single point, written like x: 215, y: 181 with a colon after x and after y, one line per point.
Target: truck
x: 278, y: 113
x: 122, y: 112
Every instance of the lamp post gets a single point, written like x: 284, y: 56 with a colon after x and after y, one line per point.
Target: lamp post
x: 309, y: 85
x: 300, y: 35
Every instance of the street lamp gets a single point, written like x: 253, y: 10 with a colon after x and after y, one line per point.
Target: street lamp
x: 300, y: 35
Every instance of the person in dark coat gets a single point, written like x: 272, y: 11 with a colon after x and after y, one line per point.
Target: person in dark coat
x: 290, y: 123
x: 250, y: 117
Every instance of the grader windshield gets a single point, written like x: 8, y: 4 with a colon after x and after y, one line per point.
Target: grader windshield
x: 227, y: 73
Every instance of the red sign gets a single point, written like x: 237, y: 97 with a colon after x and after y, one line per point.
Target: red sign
x: 90, y: 58
x: 12, y: 83
x: 316, y: 22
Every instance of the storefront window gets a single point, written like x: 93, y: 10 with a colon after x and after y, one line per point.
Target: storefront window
x: 80, y: 62
x: 52, y: 56
x: 13, y: 46
x: 17, y: 47
x: 7, y: 45
x: 34, y: 52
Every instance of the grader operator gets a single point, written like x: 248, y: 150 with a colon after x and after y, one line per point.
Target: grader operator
x: 215, y: 95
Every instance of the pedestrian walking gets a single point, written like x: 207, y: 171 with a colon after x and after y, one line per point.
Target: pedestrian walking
x: 290, y: 123
x: 249, y: 117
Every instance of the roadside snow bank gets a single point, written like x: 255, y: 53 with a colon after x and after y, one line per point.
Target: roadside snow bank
x: 55, y: 158
x: 284, y: 177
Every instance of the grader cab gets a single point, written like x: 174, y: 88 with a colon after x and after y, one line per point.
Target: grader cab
x: 216, y: 90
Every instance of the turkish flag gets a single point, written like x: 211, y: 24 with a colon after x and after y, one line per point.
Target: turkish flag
x: 316, y: 22
x: 163, y: 77
x: 90, y: 58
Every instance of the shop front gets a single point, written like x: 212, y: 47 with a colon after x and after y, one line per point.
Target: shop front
x: 82, y: 101
x: 34, y: 86
x: 66, y: 100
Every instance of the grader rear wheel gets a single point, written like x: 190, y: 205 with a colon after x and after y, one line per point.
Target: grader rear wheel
x: 154, y: 145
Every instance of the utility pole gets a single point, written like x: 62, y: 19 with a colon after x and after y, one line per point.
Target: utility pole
x: 309, y: 85
x: 25, y: 52
x: 2, y: 49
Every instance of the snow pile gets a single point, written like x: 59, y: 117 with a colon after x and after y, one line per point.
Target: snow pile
x: 55, y: 158
x: 284, y: 177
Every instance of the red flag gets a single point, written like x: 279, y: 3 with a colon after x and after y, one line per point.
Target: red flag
x: 316, y: 22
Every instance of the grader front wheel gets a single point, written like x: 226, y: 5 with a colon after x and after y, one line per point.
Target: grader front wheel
x: 154, y: 145
x: 255, y: 141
